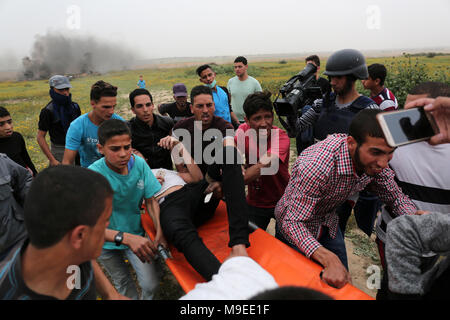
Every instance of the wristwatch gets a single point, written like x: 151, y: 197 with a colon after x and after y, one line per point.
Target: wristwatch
x: 118, y: 238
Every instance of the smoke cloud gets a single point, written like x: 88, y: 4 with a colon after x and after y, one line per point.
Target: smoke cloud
x: 55, y: 53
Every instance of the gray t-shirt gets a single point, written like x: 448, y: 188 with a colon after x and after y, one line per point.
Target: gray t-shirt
x: 239, y: 91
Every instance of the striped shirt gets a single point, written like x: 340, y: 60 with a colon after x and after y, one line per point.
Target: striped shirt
x: 323, y: 178
x: 386, y: 100
x: 423, y: 173
x: 13, y: 287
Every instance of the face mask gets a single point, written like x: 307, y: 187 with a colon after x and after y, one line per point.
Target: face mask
x: 211, y: 85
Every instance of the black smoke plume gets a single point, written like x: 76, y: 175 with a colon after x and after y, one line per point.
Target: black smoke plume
x: 55, y: 53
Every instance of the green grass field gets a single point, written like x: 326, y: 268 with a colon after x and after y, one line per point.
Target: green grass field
x: 25, y: 99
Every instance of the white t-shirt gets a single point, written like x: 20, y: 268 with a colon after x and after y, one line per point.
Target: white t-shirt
x: 420, y: 167
x: 239, y: 278
x: 171, y: 179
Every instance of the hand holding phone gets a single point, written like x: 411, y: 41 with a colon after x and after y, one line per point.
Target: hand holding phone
x: 440, y: 110
x: 402, y: 127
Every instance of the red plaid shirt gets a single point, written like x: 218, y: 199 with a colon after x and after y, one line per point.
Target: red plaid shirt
x: 323, y: 178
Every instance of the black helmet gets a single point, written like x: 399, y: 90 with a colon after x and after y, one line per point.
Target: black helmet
x: 345, y: 62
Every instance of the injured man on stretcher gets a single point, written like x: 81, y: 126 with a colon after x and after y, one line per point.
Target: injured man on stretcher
x: 187, y: 200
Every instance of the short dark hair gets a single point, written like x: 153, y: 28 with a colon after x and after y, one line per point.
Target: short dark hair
x: 102, y: 89
x: 291, y: 293
x: 241, y: 59
x: 4, y: 112
x: 139, y: 92
x: 377, y: 71
x: 433, y: 89
x: 111, y: 128
x: 202, y: 68
x: 315, y: 58
x: 257, y: 101
x: 200, y: 90
x: 62, y: 198
x: 365, y: 124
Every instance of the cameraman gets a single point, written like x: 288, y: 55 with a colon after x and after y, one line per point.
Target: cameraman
x: 333, y: 114
x: 305, y: 138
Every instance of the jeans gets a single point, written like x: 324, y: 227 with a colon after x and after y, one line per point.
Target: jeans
x: 336, y: 245
x: 260, y: 216
x: 118, y: 270
x: 184, y: 210
x: 366, y: 209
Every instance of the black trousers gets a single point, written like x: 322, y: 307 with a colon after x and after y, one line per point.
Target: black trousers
x: 184, y: 210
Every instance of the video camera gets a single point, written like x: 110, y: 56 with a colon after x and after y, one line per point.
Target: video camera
x: 297, y: 92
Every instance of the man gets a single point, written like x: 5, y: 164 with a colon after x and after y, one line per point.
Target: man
x: 323, y: 83
x: 132, y: 181
x: 55, y: 118
x: 197, y: 126
x: 148, y: 128
x: 12, y: 142
x: 141, y: 82
x: 409, y: 237
x: 15, y: 182
x: 210, y: 139
x: 181, y: 108
x: 323, y: 177
x: 305, y: 138
x: 258, y: 132
x: 382, y: 96
x: 344, y: 67
x: 82, y: 136
x: 241, y: 86
x: 220, y: 94
x: 66, y: 213
x: 422, y: 173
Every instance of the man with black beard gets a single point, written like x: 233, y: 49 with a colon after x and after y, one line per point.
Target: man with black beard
x: 55, y: 118
x: 322, y: 178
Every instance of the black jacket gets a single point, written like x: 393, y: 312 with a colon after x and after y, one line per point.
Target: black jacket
x: 145, y: 139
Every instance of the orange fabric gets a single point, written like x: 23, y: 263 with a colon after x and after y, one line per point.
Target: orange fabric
x: 286, y: 265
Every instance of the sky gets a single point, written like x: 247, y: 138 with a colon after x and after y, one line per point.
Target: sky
x: 200, y: 28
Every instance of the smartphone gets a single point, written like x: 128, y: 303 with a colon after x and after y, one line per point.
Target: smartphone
x: 407, y: 126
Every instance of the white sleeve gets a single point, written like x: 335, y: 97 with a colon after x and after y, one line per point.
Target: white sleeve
x: 239, y: 278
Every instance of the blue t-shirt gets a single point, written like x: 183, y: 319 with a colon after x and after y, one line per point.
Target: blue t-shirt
x: 141, y: 84
x: 129, y: 192
x: 221, y: 104
x: 82, y: 137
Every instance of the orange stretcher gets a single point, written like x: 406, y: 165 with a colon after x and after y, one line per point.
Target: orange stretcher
x: 287, y: 266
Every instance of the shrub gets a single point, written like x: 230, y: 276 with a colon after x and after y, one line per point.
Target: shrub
x: 403, y: 75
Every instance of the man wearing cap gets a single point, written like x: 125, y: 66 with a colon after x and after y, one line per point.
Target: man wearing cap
x: 55, y: 118
x: 181, y: 108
